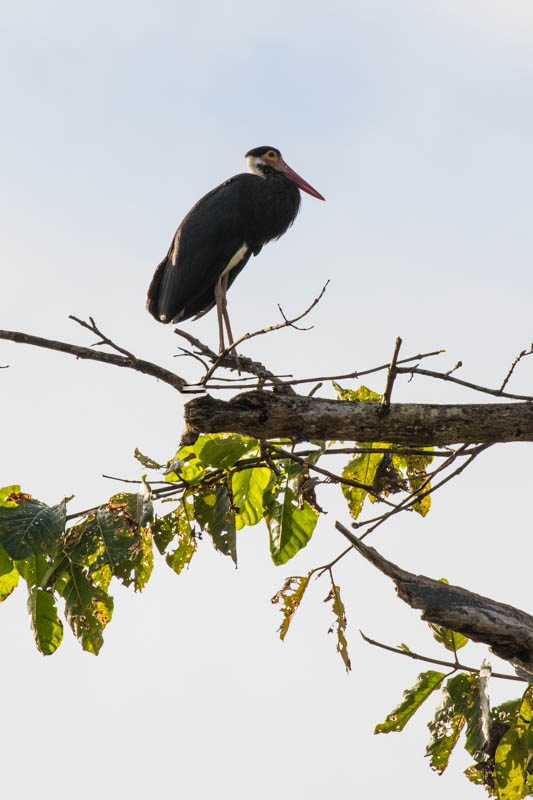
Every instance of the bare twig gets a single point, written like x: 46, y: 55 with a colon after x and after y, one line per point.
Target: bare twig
x: 391, y: 375
x: 455, y: 665
x: 422, y: 492
x: 291, y: 324
x: 399, y: 451
x: 228, y: 361
x: 91, y: 326
x: 129, y: 480
x: 513, y: 365
x: 360, y: 373
x: 130, y: 362
x: 190, y: 354
x: 315, y: 389
x: 444, y: 376
x: 457, y: 366
x: 286, y: 323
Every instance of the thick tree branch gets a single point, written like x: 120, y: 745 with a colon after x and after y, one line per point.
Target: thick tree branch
x: 131, y: 362
x: 266, y: 415
x: 507, y: 630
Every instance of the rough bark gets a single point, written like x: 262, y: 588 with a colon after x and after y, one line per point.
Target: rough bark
x: 267, y: 415
x: 507, y: 630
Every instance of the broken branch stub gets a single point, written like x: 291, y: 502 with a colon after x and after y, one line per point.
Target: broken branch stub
x: 507, y: 630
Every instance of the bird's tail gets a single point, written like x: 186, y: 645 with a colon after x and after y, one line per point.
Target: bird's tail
x: 152, y: 302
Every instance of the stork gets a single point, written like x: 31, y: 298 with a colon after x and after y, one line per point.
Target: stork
x: 220, y: 233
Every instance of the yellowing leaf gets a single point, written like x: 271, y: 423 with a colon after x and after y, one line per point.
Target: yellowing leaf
x: 290, y: 596
x: 339, y: 626
x: 362, y: 469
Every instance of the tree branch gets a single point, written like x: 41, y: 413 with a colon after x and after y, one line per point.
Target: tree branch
x: 507, y: 630
x: 130, y: 362
x: 455, y: 665
x: 268, y: 415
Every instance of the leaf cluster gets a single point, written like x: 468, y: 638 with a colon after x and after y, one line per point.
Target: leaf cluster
x: 500, y: 740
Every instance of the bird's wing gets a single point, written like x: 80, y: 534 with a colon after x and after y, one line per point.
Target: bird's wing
x: 204, y: 244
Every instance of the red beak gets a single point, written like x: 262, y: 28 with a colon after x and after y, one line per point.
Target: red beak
x: 304, y: 186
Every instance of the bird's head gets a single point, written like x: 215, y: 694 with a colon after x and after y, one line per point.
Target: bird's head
x: 268, y: 161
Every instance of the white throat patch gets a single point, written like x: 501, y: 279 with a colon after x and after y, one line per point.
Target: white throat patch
x: 253, y: 165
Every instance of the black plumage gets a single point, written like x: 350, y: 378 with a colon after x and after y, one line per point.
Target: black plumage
x: 220, y: 234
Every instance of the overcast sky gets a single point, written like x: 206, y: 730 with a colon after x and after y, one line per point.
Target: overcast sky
x: 415, y: 121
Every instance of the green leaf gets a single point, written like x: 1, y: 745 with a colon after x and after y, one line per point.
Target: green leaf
x: 361, y: 469
x: 112, y: 541
x: 29, y: 527
x: 9, y: 575
x: 138, y: 506
x: 339, y: 626
x: 222, y: 450
x: 361, y: 395
x: 248, y: 487
x: 460, y: 704
x: 290, y: 527
x: 214, y: 514
x: 180, y: 558
x: 511, y: 757
x: 137, y: 568
x: 46, y: 626
x: 185, y: 466
x: 88, y: 609
x: 166, y: 529
x: 413, y: 698
x: 290, y: 596
x: 417, y: 475
x: 450, y: 639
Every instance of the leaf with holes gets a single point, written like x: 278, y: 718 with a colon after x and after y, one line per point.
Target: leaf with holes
x: 214, y: 514
x: 29, y: 527
x: 146, y: 461
x: 112, y: 542
x: 457, y: 707
x: 413, y: 698
x: 362, y: 469
x: 511, y: 759
x: 88, y: 609
x: 417, y: 476
x: 46, y: 626
x: 290, y: 596
x: 339, y: 626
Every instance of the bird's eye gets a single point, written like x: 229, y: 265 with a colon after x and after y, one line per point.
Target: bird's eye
x: 272, y: 154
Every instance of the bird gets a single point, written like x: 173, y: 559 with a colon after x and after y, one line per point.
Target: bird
x: 218, y: 236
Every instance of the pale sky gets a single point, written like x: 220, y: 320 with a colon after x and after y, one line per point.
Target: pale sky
x: 415, y: 121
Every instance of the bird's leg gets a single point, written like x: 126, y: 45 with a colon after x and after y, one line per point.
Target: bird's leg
x: 220, y: 296
x: 226, y: 315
